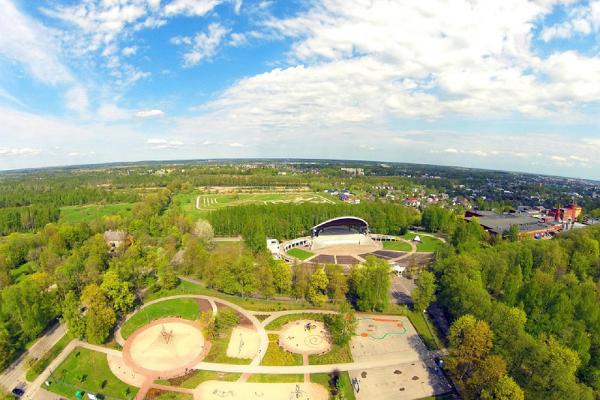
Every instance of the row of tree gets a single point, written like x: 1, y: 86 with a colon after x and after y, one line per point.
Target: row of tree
x: 286, y: 221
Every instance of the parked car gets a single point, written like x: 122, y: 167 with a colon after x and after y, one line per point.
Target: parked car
x: 18, y: 392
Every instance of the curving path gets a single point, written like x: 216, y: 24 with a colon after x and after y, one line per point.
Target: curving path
x: 253, y: 368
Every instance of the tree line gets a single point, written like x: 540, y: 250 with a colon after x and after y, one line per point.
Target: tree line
x: 286, y: 221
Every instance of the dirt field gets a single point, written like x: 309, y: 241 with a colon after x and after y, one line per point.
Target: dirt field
x: 165, y: 345
x: 215, y: 390
x: 296, y: 338
x: 244, y: 343
x: 123, y: 372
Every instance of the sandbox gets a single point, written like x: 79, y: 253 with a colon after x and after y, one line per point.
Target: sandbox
x: 305, y: 337
x: 164, y: 347
x: 244, y: 343
x: 218, y: 390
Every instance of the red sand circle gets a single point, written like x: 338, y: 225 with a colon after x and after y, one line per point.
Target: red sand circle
x: 157, y: 351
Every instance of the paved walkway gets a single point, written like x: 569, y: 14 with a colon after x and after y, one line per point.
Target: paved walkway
x: 246, y: 370
x: 15, y: 374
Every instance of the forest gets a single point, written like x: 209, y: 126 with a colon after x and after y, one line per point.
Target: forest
x: 539, y: 303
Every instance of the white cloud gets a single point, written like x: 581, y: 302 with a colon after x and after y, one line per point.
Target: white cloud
x: 203, y: 46
x: 168, y: 144
x: 29, y: 43
x: 76, y: 99
x: 24, y: 151
x: 149, y: 113
x: 236, y: 144
x: 191, y: 7
x: 129, y: 51
x: 581, y: 20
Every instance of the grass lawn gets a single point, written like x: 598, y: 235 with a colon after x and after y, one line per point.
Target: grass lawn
x: 235, y: 248
x: 210, y: 202
x: 276, y: 378
x: 87, y: 213
x: 88, y: 370
x: 278, y: 323
x: 162, y: 395
x: 337, y: 355
x: 300, y: 254
x: 423, y: 326
x: 41, y: 364
x: 326, y: 380
x: 248, y: 303
x: 195, y: 378
x: 218, y: 351
x: 275, y: 355
x: 183, y: 308
x: 396, y: 246
x: 428, y: 244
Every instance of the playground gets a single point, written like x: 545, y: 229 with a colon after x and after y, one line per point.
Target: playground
x: 305, y: 337
x: 393, y: 337
x: 244, y: 343
x: 164, y: 347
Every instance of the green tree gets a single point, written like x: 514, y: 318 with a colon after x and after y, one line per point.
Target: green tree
x: 371, y: 285
x: 238, y: 277
x: 317, y: 287
x: 282, y: 277
x: 29, y: 305
x: 424, y: 293
x: 118, y: 292
x: 100, y: 317
x: 341, y: 325
x: 505, y: 389
x: 470, y: 341
x: 338, y: 283
x: 71, y: 314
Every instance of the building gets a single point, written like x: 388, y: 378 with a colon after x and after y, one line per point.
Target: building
x: 567, y: 213
x: 273, y: 247
x: 499, y: 224
x: 354, y: 171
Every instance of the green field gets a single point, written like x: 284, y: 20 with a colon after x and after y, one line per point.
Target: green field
x: 276, y: 378
x: 275, y: 355
x: 396, y: 246
x: 88, y: 370
x: 199, y: 204
x: 300, y: 254
x: 87, y: 213
x: 428, y: 244
x: 325, y: 380
x: 195, y: 378
x: 183, y: 308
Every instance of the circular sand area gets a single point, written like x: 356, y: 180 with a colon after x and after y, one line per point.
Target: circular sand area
x: 165, y: 345
x: 305, y: 337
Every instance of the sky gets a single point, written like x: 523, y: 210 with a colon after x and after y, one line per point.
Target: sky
x: 499, y: 84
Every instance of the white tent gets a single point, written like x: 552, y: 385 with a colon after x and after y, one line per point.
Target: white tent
x: 417, y: 239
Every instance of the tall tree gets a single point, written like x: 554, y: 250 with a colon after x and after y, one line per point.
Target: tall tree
x: 317, y: 287
x: 424, y: 293
x: 99, y: 317
x: 118, y: 292
x: 371, y: 285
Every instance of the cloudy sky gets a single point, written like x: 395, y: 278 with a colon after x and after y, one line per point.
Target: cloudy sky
x: 503, y: 84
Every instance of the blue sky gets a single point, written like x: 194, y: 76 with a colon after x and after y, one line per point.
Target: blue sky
x: 503, y: 84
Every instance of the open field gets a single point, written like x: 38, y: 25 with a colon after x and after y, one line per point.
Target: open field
x: 275, y: 355
x: 396, y: 246
x: 88, y: 370
x: 91, y: 212
x: 198, y: 205
x: 428, y: 244
x: 300, y: 254
x: 183, y: 308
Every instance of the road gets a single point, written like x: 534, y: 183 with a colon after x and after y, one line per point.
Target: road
x: 14, y: 375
